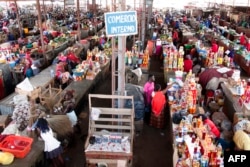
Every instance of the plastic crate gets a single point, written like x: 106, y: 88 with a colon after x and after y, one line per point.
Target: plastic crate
x: 19, y: 146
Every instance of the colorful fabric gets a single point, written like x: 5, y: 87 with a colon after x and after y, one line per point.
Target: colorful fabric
x: 212, y: 127
x: 188, y: 65
x: 158, y: 50
x: 158, y: 121
x: 55, y: 153
x: 175, y: 35
x: 148, y: 89
x: 208, y: 74
x: 158, y: 103
x: 242, y: 40
x: 214, y: 48
x: 29, y: 73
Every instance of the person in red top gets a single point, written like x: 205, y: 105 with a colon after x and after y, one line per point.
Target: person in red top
x: 243, y: 39
x: 248, y: 45
x: 158, y: 103
x: 188, y: 64
x: 211, y: 126
x: 175, y: 37
x: 215, y: 47
x: 184, y: 19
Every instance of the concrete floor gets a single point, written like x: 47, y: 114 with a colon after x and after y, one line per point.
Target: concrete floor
x: 152, y: 147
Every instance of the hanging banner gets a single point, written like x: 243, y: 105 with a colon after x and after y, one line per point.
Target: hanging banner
x: 121, y: 23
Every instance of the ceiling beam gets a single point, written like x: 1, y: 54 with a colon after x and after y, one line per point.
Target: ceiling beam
x: 29, y: 0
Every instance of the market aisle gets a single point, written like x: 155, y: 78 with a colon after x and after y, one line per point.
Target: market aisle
x: 153, y: 147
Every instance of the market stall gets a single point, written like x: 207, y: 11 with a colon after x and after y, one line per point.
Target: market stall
x: 112, y: 143
x: 236, y: 92
x: 193, y: 141
x: 82, y: 89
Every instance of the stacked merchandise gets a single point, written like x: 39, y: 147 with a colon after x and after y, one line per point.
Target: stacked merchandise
x: 173, y: 60
x: 195, y: 145
x: 184, y: 98
x: 90, y: 67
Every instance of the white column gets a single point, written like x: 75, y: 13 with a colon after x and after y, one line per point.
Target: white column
x: 121, y: 54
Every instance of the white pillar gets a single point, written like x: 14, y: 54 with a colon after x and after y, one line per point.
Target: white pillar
x: 121, y: 54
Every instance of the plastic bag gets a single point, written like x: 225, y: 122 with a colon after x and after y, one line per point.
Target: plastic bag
x: 95, y: 113
x: 177, y: 117
x: 72, y: 117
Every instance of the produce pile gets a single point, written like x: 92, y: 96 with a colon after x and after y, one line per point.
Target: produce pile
x: 57, y: 41
x: 21, y: 115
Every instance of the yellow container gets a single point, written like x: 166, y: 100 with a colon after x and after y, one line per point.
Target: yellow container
x: 26, y: 30
x: 2, y: 61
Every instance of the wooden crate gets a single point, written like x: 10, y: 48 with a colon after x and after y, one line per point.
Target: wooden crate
x: 116, y: 120
x: 50, y: 96
x: 32, y: 94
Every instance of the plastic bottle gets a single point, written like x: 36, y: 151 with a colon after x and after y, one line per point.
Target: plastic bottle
x: 52, y: 73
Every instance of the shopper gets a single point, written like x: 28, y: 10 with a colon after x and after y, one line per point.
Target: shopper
x: 158, y: 115
x: 52, y: 147
x: 148, y: 89
x: 158, y: 49
x: 155, y: 34
x: 243, y: 39
x: 210, y: 124
x: 175, y: 36
x: 214, y: 47
x: 188, y: 64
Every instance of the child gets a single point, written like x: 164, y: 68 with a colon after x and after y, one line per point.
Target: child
x: 52, y: 147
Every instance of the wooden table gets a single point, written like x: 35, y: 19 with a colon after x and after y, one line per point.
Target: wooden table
x: 33, y: 158
x: 242, y: 62
x: 43, y: 79
x: 231, y: 105
x: 84, y: 87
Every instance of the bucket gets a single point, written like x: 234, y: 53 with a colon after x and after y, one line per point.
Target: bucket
x: 178, y: 74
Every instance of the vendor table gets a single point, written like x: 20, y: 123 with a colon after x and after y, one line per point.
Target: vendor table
x: 242, y: 29
x: 83, y: 88
x: 199, y: 110
x: 33, y: 158
x: 43, y: 79
x: 231, y: 105
x: 242, y: 62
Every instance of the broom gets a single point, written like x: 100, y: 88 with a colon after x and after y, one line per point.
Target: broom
x: 61, y: 125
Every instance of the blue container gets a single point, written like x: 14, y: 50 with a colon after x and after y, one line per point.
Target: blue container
x: 78, y: 73
x: 12, y: 64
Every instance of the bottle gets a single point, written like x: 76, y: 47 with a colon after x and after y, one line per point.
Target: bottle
x: 52, y: 74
